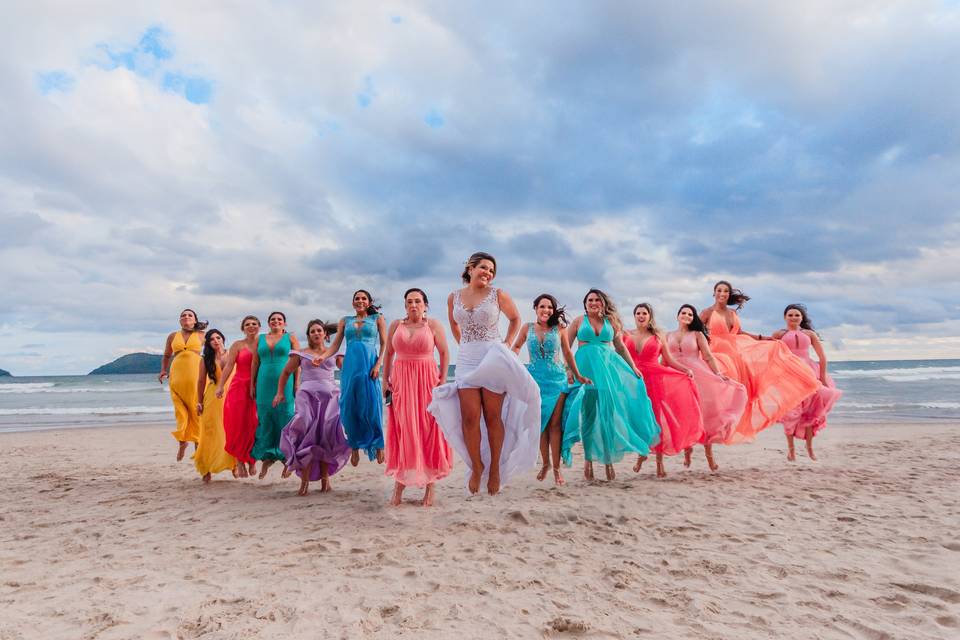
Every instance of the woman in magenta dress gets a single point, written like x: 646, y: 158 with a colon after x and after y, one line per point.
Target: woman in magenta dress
x: 808, y: 418
x: 672, y: 391
x: 722, y: 400
x: 776, y: 380
x: 239, y: 408
x: 416, y: 452
x: 312, y: 442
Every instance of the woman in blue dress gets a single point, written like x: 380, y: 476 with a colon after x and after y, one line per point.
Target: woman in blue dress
x: 546, y: 340
x: 613, y: 415
x: 361, y: 404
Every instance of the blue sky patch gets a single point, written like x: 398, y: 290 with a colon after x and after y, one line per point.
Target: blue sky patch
x: 434, y: 119
x: 48, y: 81
x: 195, y: 89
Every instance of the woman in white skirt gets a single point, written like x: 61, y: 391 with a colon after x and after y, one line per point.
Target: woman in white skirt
x: 490, y: 383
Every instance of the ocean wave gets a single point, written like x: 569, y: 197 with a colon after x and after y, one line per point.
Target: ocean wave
x: 26, y: 387
x: 843, y: 404
x: 906, y: 374
x: 82, y: 411
x: 50, y: 387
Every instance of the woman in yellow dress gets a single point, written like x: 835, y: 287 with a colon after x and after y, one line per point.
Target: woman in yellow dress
x: 210, y: 456
x: 183, y: 347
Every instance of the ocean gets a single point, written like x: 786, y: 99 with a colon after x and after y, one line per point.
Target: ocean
x: 874, y: 392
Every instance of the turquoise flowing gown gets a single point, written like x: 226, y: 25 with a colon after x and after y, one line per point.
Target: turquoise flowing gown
x: 546, y: 370
x: 361, y: 400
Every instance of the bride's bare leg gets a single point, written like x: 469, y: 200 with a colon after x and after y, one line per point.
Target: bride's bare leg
x: 492, y: 414
x: 470, y: 419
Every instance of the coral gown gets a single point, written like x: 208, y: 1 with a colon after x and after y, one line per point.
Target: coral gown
x: 417, y: 454
x: 721, y: 401
x: 210, y: 456
x: 240, y: 410
x: 674, y: 396
x: 272, y: 420
x: 184, y: 373
x: 776, y: 380
x: 361, y: 397
x: 813, y: 411
x: 613, y: 416
x: 315, y: 433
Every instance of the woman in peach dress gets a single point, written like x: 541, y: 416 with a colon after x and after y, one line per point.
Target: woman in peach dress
x: 776, y: 380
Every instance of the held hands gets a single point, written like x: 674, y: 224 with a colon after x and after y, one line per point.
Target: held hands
x: 689, y: 373
x: 584, y: 380
x: 219, y: 392
x: 277, y: 399
x: 317, y: 361
x: 375, y: 372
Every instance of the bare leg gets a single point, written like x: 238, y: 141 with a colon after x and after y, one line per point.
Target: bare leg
x: 492, y: 415
x: 241, y: 470
x: 304, y: 483
x: 251, y: 469
x: 428, y: 495
x: 810, y: 443
x: 355, y: 457
x: 661, y: 471
x: 470, y: 420
x: 544, y: 453
x: 325, y: 478
x: 588, y: 470
x: 639, y: 464
x: 611, y: 472
x: 379, y: 456
x: 286, y: 472
x: 687, y: 456
x: 207, y: 478
x: 182, y: 450
x: 555, y: 437
x: 791, y: 454
x: 708, y: 449
x: 264, y: 467
x: 397, y: 498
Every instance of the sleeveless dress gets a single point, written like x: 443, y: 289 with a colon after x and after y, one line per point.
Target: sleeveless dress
x: 184, y: 371
x: 417, y: 453
x: 721, y: 401
x: 483, y: 361
x: 546, y: 370
x: 776, y: 380
x: 240, y: 410
x: 674, y: 396
x: 813, y: 411
x: 210, y: 456
x: 361, y: 397
x: 315, y: 434
x: 613, y: 416
x: 266, y: 444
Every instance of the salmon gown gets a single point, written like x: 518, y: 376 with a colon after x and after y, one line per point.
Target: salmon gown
x: 776, y: 380
x: 184, y: 374
x: 813, y: 411
x: 417, y: 454
x: 210, y: 456
x: 674, y: 396
x: 240, y: 410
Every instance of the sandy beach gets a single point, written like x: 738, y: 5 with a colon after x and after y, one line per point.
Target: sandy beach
x: 106, y: 536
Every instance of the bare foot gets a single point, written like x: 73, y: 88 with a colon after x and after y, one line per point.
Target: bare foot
x: 397, y: 498
x: 379, y: 456
x: 611, y: 472
x: 207, y: 478
x: 687, y: 456
x: 543, y: 472
x: 325, y: 486
x: 264, y: 467
x: 810, y: 452
x: 557, y: 478
x: 710, y: 461
x: 182, y: 450
x: 355, y: 457
x: 661, y: 471
x: 791, y: 455
x: 304, y: 485
x: 241, y: 470
x: 493, y: 482
x: 286, y: 472
x: 428, y: 495
x: 251, y: 469
x: 588, y: 471
x: 236, y: 474
x: 475, y: 476
x: 640, y: 461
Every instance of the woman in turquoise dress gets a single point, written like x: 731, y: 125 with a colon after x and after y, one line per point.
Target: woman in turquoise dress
x: 546, y: 340
x: 273, y: 351
x: 613, y: 415
x: 361, y: 403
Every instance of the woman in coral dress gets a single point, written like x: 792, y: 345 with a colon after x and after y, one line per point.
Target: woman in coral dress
x: 271, y: 356
x: 239, y: 407
x: 313, y: 443
x: 210, y: 456
x: 722, y: 400
x: 183, y: 347
x: 416, y: 452
x: 775, y: 379
x: 808, y: 418
x: 672, y: 391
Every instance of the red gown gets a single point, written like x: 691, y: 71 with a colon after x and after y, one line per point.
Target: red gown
x: 240, y: 410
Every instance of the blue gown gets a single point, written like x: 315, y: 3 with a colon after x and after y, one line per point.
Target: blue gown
x: 546, y: 370
x: 613, y: 416
x: 361, y: 400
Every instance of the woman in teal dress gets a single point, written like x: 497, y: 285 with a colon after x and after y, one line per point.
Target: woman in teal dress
x: 361, y: 400
x: 613, y: 416
x: 546, y: 340
x: 273, y: 350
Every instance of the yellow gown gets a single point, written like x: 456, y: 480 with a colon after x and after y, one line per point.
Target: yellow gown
x: 183, y: 385
x: 210, y: 456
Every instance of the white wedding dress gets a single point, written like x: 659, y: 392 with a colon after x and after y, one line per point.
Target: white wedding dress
x: 484, y: 361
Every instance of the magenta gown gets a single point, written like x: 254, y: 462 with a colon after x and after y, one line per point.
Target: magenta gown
x: 417, y: 454
x: 674, y: 396
x: 813, y: 411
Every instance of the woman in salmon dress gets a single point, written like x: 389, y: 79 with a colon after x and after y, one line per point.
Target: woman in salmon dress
x: 210, y: 456
x: 775, y: 379
x: 273, y: 351
x: 672, y: 391
x: 239, y: 407
x: 183, y: 347
x: 808, y: 418
x: 722, y: 400
x: 416, y: 452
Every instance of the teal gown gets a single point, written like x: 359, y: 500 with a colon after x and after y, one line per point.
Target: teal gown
x: 272, y: 420
x: 613, y: 416
x: 546, y: 370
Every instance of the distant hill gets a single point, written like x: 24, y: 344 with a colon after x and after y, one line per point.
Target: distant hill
x: 131, y: 363
x: 4, y: 372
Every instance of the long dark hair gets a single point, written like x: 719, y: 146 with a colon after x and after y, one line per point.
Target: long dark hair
x: 282, y: 315
x: 737, y: 297
x: 805, y: 322
x: 609, y: 309
x: 559, y: 317
x: 372, y: 309
x: 473, y: 261
x: 327, y: 329
x: 197, y: 326
x: 210, y: 354
x: 697, y: 323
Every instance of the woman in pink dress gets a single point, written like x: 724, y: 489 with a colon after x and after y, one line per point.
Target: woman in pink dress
x: 722, y: 400
x: 416, y: 451
x: 776, y: 380
x: 807, y: 419
x: 673, y: 394
x: 239, y: 409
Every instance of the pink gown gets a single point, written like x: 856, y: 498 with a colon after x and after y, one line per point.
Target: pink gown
x: 813, y: 411
x: 776, y: 380
x: 674, y: 396
x: 416, y: 452
x: 721, y: 401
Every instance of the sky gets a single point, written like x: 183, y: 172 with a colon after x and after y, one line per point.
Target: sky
x: 238, y: 158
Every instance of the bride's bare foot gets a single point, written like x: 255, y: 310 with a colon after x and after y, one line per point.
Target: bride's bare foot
x: 493, y: 482
x: 543, y: 472
x: 379, y: 456
x: 639, y: 464
x: 687, y: 456
x: 588, y: 471
x: 264, y: 467
x: 207, y: 478
x: 397, y: 498
x: 428, y: 495
x: 286, y: 472
x: 304, y: 485
x: 182, y: 450
x: 355, y: 457
x: 475, y: 476
x: 611, y: 472
x: 557, y: 478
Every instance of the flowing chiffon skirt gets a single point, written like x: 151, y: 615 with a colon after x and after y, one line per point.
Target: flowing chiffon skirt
x: 361, y: 400
x: 722, y: 402
x: 552, y: 382
x: 239, y: 419
x: 813, y: 411
x: 315, y: 434
x: 210, y: 456
x: 184, y: 375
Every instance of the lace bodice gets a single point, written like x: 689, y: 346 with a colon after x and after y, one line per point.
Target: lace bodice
x: 480, y: 324
x: 367, y: 333
x: 544, y: 354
